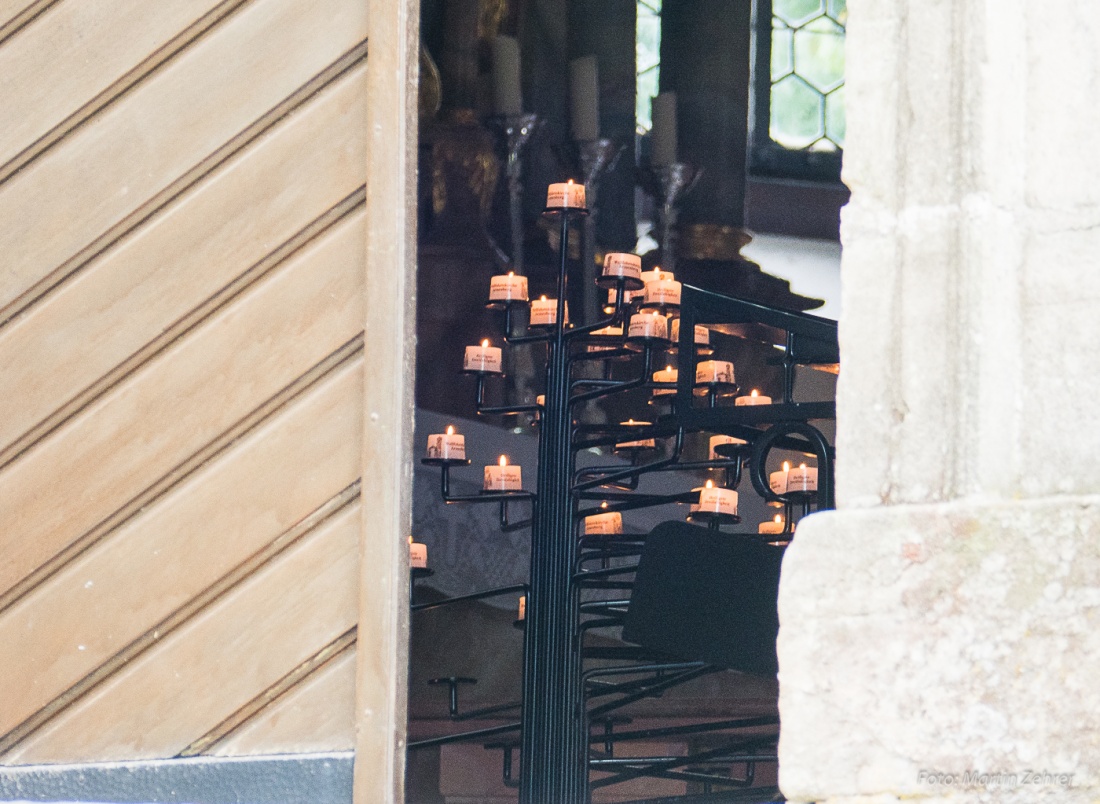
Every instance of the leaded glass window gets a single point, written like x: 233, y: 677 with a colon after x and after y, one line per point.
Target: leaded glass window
x: 647, y: 60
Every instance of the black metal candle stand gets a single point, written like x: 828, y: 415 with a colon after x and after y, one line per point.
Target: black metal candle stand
x: 568, y: 705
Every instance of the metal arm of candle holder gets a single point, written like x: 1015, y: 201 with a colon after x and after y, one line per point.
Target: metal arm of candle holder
x: 482, y: 497
x: 674, y: 181
x: 499, y: 410
x: 633, y: 471
x: 624, y: 385
x: 821, y: 450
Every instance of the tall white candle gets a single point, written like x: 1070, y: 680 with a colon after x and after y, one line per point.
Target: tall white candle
x: 663, y: 150
x: 708, y: 371
x: 507, y: 97
x: 483, y: 358
x: 565, y: 194
x: 715, y: 500
x: 584, y: 97
x: 449, y: 446
x: 648, y: 325
x: 754, y: 398
x: 502, y: 476
x: 508, y: 288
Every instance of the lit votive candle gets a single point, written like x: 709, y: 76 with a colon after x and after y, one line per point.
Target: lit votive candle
x: 753, y: 398
x: 448, y: 446
x: 662, y: 289
x: 483, y: 358
x: 719, y: 440
x: 605, y: 332
x: 702, y: 334
x: 772, y: 526
x: 641, y: 443
x: 544, y: 312
x: 619, y: 264
x: 667, y: 374
x: 709, y: 371
x: 502, y: 476
x: 522, y: 607
x: 540, y: 400
x: 565, y: 195
x: 648, y: 325
x: 777, y: 481
x: 508, y: 288
x: 609, y: 524
x: 802, y: 478
x: 715, y: 500
x: 418, y: 554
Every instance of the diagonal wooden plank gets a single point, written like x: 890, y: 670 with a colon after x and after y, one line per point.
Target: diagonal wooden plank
x: 109, y: 168
x: 180, y: 401
x: 17, y: 14
x: 68, y: 348
x: 180, y: 546
x: 199, y: 675
x: 80, y: 56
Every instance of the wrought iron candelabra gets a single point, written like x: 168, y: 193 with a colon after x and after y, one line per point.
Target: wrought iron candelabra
x: 566, y: 728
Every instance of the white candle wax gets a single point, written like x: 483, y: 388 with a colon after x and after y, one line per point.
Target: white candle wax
x: 702, y: 334
x: 667, y: 374
x: 755, y: 398
x: 662, y: 289
x: 584, y: 98
x: 508, y: 288
x: 802, y: 478
x: 607, y: 524
x: 502, y: 477
x: 771, y: 526
x: 718, y: 440
x: 641, y: 443
x: 565, y: 194
x: 606, y: 332
x: 648, y: 325
x: 522, y: 607
x: 448, y: 446
x: 715, y: 500
x: 507, y: 98
x: 418, y: 555
x: 664, y: 133
x: 622, y: 264
x: 483, y: 357
x: 709, y: 371
x: 777, y: 481
x: 544, y: 312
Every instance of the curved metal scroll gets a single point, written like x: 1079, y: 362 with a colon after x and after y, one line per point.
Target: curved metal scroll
x: 820, y: 446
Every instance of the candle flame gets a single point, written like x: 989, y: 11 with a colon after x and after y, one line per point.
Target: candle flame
x: 450, y: 429
x: 668, y: 368
x: 503, y: 460
x: 603, y: 504
x: 786, y: 466
x: 542, y: 298
x: 410, y: 540
x: 630, y: 421
x: 485, y: 343
x: 570, y: 181
x: 802, y: 465
x: 779, y: 519
x: 754, y: 392
x: 710, y: 484
x: 511, y: 273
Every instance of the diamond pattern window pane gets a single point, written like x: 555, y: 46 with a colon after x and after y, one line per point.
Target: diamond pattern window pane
x: 807, y: 74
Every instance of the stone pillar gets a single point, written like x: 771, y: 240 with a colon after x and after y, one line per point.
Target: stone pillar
x: 945, y: 620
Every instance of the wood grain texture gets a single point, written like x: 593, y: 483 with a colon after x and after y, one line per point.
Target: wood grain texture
x: 181, y: 400
x: 75, y: 52
x: 108, y: 168
x: 17, y: 14
x: 179, y: 262
x: 382, y: 669
x: 200, y: 674
x: 129, y: 583
x: 318, y: 714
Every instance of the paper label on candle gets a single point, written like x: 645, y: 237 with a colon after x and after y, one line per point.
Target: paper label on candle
x: 448, y: 446
x: 646, y: 325
x: 418, y: 555
x: 702, y: 334
x: 710, y: 371
x: 620, y: 264
x: 482, y: 358
x: 662, y: 291
x: 502, y: 478
x: 718, y: 501
x: 777, y: 481
x: 610, y: 523
x: 565, y: 195
x: 544, y: 312
x: 508, y: 287
x: 718, y: 440
x: 770, y: 527
x: 802, y: 478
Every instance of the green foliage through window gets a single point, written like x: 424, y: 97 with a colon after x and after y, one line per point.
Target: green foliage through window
x: 648, y: 60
